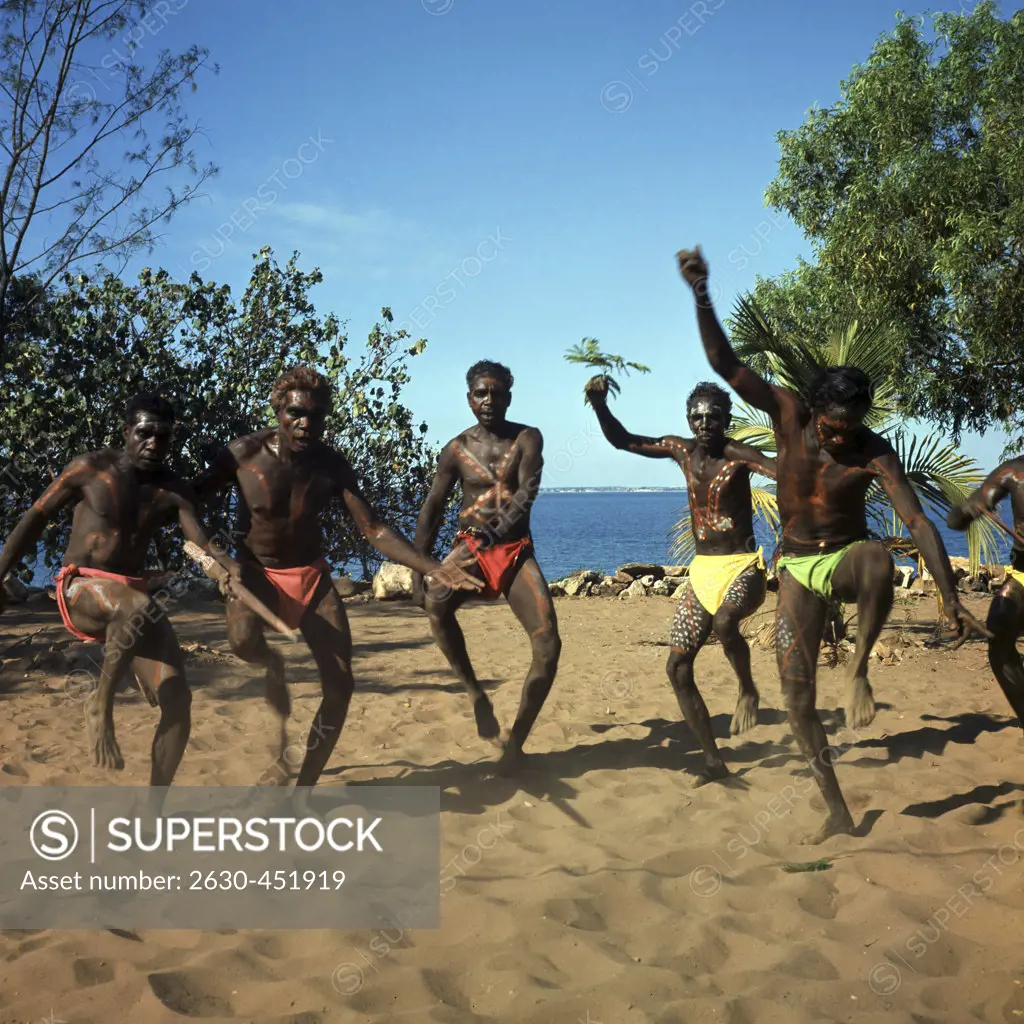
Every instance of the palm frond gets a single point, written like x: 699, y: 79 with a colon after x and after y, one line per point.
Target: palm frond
x: 942, y: 476
x: 766, y: 505
x: 790, y: 362
x: 753, y: 427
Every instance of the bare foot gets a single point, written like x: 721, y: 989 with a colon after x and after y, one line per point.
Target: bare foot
x: 511, y: 759
x: 99, y: 731
x: 745, y: 715
x: 711, y: 773
x: 835, y: 825
x: 276, y: 773
x: 487, y: 727
x: 860, y: 703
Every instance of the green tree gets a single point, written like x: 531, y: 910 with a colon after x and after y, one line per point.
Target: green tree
x: 95, y: 148
x: 911, y: 191
x: 216, y: 361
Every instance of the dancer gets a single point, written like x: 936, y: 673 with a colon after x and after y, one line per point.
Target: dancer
x: 498, y: 464
x: 827, y: 459
x: 286, y: 476
x: 1006, y: 613
x: 122, y: 498
x: 727, y: 580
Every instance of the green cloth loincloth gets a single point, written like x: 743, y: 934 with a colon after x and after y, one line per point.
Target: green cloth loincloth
x: 815, y: 571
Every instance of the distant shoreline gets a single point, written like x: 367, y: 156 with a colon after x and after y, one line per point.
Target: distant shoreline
x: 619, y: 490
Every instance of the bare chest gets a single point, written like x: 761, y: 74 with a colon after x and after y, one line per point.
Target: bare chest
x: 712, y: 480
x: 273, y: 489
x: 114, y: 501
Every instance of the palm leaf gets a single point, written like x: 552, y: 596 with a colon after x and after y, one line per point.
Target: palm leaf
x: 789, y: 362
x: 942, y: 477
x: 753, y: 427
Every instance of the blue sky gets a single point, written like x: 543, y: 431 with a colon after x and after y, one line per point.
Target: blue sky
x: 512, y: 177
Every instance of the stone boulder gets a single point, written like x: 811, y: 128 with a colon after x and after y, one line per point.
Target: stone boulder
x: 662, y: 589
x: 346, y: 587
x: 675, y: 582
x: 392, y: 582
x: 903, y: 576
x: 635, y: 570
x: 680, y: 571
x: 579, y: 583
x: 635, y: 589
x: 608, y: 587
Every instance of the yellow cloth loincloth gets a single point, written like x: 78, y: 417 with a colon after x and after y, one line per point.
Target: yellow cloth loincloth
x: 1014, y: 574
x: 711, y: 576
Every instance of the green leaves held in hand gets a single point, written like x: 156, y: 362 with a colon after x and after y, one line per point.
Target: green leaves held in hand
x: 588, y: 353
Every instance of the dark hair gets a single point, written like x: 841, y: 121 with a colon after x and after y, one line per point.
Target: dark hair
x: 301, y: 378
x: 717, y: 394
x: 490, y: 369
x: 148, y: 401
x: 841, y: 386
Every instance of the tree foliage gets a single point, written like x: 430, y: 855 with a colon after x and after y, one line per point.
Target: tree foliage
x: 90, y: 123
x: 911, y: 191
x: 87, y: 350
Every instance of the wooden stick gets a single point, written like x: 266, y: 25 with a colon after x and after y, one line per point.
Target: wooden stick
x: 215, y: 571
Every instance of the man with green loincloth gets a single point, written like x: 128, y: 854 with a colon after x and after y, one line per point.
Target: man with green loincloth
x: 826, y: 461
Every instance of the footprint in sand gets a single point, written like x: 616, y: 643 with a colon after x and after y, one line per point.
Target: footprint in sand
x: 190, y: 994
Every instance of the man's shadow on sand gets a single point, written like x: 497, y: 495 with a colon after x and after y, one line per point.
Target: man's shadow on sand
x: 669, y: 745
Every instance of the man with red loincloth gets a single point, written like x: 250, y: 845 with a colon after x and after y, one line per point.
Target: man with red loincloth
x: 498, y: 464
x: 122, y: 497
x: 286, y: 476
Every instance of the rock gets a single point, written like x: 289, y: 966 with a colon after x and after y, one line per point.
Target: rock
x: 635, y: 589
x: 15, y: 592
x: 609, y: 587
x: 346, y: 587
x: 903, y: 576
x: 647, y: 581
x: 662, y: 589
x: 555, y: 588
x: 579, y: 582
x: 634, y: 570
x: 392, y: 581
x: 978, y: 584
x: 676, y: 570
x: 675, y: 582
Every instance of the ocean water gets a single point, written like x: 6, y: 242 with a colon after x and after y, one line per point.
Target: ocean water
x: 603, y: 529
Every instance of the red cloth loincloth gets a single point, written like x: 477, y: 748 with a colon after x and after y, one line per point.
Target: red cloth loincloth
x: 295, y: 589
x: 139, y: 583
x: 498, y: 562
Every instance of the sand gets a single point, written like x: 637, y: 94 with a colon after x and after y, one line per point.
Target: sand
x: 616, y: 893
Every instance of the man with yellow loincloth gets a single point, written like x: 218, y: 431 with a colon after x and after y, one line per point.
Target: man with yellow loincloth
x: 727, y: 575
x: 827, y: 460
x: 1006, y: 613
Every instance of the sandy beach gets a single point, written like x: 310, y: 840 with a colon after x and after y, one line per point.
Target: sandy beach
x: 614, y: 893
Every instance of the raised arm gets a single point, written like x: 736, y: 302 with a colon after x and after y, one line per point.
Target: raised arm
x: 618, y: 437
x: 928, y: 541
x: 758, y: 462
x: 724, y: 361
x: 25, y: 536
x: 390, y: 543
x: 993, y: 489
